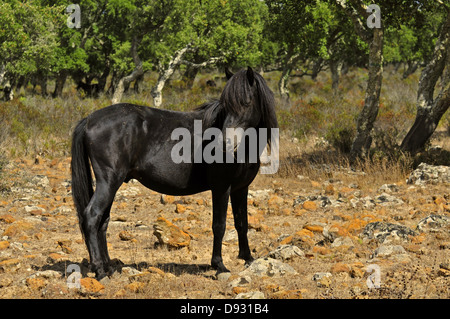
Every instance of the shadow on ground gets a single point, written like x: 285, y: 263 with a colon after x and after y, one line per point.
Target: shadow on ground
x: 173, y: 268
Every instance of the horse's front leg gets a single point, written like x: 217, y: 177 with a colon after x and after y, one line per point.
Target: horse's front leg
x: 239, y: 205
x: 220, y: 205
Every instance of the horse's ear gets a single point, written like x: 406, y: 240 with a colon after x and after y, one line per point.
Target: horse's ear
x: 228, y: 73
x: 250, y: 76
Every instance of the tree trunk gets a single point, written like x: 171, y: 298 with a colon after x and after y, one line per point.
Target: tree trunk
x: 103, y: 78
x: 317, y: 67
x: 192, y: 71
x: 429, y: 109
x: 412, y: 67
x: 288, y: 65
x: 137, y: 83
x: 138, y: 71
x: 368, y: 115
x: 115, y: 78
x: 355, y: 10
x: 424, y: 126
x: 43, y: 82
x: 194, y: 67
x: 335, y: 68
x: 165, y: 75
x: 283, y: 83
x: 20, y: 83
x: 189, y: 76
x: 2, y: 73
x: 344, y: 68
x: 8, y: 92
x: 59, y: 85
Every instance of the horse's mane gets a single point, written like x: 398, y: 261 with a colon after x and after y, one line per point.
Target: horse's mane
x: 214, y: 114
x: 236, y: 96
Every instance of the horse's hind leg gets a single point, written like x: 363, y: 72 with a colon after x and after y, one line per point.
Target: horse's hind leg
x: 102, y: 241
x: 239, y: 205
x: 94, y: 223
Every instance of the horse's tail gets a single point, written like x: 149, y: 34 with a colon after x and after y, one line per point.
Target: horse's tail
x: 82, y: 190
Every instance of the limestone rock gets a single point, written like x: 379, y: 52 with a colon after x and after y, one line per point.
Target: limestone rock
x: 47, y: 274
x: 322, y: 279
x: 429, y: 174
x: 240, y: 281
x: 389, y: 250
x: 35, y: 283
x: 389, y: 188
x: 180, y: 209
x: 381, y: 231
x: 268, y: 267
x: 170, y: 235
x: 385, y: 199
x: 286, y: 252
x: 250, y: 295
x: 126, y: 235
x: 433, y: 222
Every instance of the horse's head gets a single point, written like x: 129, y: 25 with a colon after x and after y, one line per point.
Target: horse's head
x: 248, y: 101
x: 240, y: 100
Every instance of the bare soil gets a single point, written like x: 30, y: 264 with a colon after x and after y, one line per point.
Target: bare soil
x: 39, y: 232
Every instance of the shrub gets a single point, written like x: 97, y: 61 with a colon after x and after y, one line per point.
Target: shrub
x: 303, y: 117
x: 340, y: 133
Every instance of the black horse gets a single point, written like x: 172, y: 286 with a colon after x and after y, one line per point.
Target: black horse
x: 125, y: 141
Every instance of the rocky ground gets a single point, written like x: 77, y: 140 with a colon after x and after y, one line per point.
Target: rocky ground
x: 328, y: 238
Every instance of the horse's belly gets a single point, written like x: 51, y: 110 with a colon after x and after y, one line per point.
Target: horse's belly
x: 171, y: 181
x: 172, y: 189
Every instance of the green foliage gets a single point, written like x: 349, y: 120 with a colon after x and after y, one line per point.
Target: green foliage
x: 230, y: 30
x: 301, y: 26
x: 28, y: 37
x: 413, y: 40
x: 35, y: 41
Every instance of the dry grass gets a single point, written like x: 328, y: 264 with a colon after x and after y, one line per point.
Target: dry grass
x: 316, y: 129
x: 42, y: 126
x: 322, y: 163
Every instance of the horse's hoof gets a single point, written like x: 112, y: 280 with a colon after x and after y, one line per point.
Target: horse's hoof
x: 248, y: 262
x: 222, y: 271
x: 220, y: 268
x: 99, y: 275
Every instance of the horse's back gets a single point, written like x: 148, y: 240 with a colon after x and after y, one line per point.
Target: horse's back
x: 135, y: 141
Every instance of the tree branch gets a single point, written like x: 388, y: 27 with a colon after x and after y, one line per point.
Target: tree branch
x: 429, y: 111
x: 138, y: 71
x: 354, y: 14
x: 212, y: 60
x: 165, y: 74
x: 434, y: 69
x: 2, y: 73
